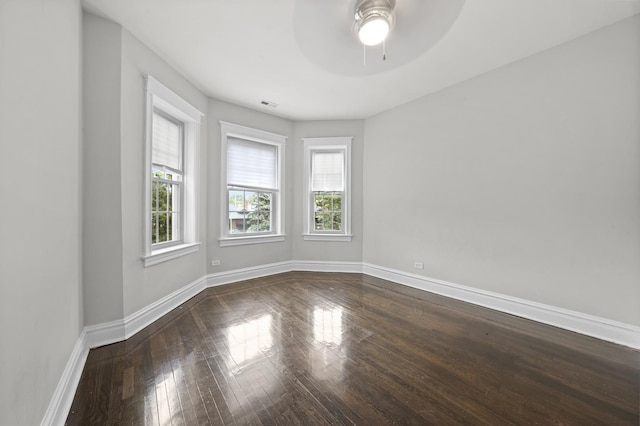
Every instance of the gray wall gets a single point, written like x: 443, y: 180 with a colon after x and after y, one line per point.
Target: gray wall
x: 143, y: 286
x: 117, y: 284
x: 102, y: 201
x: 323, y: 250
x: 40, y: 219
x: 523, y: 181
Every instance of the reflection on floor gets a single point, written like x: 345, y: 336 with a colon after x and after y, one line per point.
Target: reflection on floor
x: 329, y: 348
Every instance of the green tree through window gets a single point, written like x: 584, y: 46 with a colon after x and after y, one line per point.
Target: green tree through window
x: 328, y: 211
x: 163, y: 211
x: 260, y: 215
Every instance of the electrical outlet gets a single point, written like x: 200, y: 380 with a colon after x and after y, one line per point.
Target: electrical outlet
x: 215, y: 263
x: 418, y: 265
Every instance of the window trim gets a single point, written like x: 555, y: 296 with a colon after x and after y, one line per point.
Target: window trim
x: 278, y: 199
x: 159, y: 97
x: 341, y: 143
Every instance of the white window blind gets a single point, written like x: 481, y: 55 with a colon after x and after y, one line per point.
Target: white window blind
x: 251, y: 164
x: 167, y: 142
x: 327, y: 171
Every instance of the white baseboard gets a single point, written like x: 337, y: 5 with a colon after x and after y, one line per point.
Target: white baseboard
x: 140, y: 319
x: 316, y: 266
x: 104, y: 334
x: 228, y: 277
x: 62, y: 399
x: 119, y: 330
x: 601, y: 328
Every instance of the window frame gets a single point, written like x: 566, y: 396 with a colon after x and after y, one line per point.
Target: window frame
x: 326, y: 144
x: 161, y: 99
x: 179, y: 224
x: 277, y: 199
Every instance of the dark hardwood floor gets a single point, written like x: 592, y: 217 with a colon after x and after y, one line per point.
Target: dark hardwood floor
x: 328, y: 348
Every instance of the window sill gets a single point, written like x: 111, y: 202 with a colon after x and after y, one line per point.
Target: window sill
x: 327, y: 237
x: 239, y: 241
x: 169, y: 253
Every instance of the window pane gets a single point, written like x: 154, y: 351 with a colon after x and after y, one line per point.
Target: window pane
x: 242, y: 223
x: 154, y: 196
x: 237, y: 224
x: 328, y: 211
x: 319, y: 224
x: 162, y: 227
x: 165, y: 212
x: 159, y: 196
x: 249, y: 211
x: 175, y: 195
x: 318, y: 201
x: 237, y: 211
x: 250, y: 200
x: 326, y: 221
x: 236, y: 201
x: 265, y: 222
x: 336, y: 202
x: 337, y: 222
x: 262, y: 202
x: 173, y: 226
x: 154, y: 228
x: 169, y: 227
x: 259, y: 216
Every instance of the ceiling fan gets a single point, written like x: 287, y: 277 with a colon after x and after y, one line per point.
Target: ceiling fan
x: 334, y: 34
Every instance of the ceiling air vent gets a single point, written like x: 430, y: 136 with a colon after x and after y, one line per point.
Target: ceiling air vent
x: 269, y: 104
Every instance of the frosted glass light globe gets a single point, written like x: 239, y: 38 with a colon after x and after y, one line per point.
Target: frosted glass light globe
x: 373, y: 31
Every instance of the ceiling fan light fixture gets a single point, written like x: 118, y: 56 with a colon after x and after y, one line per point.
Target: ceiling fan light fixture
x: 373, y: 20
x: 374, y: 31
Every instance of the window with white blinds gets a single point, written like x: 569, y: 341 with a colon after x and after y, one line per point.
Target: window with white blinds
x: 327, y: 205
x: 172, y: 143
x: 251, y: 179
x: 166, y: 180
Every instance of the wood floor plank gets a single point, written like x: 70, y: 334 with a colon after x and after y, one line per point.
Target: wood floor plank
x: 306, y: 348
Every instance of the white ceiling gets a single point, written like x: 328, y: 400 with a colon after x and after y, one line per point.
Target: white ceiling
x: 245, y: 51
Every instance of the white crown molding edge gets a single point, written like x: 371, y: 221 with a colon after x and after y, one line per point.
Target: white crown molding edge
x: 589, y: 325
x: 115, y: 331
